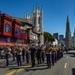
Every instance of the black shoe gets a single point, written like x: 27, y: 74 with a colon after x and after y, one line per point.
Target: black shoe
x: 47, y: 66
x: 20, y: 64
x: 32, y: 65
x: 6, y: 64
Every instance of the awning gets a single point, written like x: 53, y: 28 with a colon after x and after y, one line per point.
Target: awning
x: 4, y: 44
x: 11, y: 44
x: 23, y: 45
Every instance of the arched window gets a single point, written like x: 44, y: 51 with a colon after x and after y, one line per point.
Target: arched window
x: 7, y: 28
x: 16, y: 31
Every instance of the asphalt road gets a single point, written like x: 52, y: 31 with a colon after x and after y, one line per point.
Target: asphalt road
x: 65, y: 66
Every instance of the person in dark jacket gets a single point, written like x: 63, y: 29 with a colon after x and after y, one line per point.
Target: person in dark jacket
x: 43, y: 54
x: 23, y: 54
x: 38, y: 54
x: 53, y: 58
x: 27, y: 55
x: 19, y: 54
x: 48, y: 56
x: 32, y: 49
x: 14, y: 53
x: 7, y: 54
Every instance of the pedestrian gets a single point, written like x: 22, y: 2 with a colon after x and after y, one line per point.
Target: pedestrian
x: 55, y: 56
x: 48, y: 56
x: 14, y: 54
x: 27, y: 55
x: 19, y: 55
x: 38, y: 55
x: 7, y: 54
x: 43, y: 54
x: 32, y: 49
x: 23, y: 53
x: 58, y: 54
x: 53, y: 59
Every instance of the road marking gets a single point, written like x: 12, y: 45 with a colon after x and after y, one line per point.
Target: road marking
x: 67, y: 56
x: 65, y: 65
x: 18, y: 70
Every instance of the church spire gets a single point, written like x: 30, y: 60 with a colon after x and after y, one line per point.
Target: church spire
x: 26, y: 15
x: 33, y: 10
x: 41, y: 9
x: 37, y: 8
x: 67, y: 19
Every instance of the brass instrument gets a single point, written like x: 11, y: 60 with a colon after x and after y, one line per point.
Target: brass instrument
x: 8, y: 49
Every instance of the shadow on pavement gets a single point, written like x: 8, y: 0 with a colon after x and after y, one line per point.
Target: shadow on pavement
x: 73, y: 71
x: 35, y: 68
x: 2, y: 66
x: 41, y: 65
x: 18, y: 67
x: 7, y: 66
x: 28, y: 68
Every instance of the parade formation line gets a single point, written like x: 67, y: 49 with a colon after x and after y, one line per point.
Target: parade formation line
x: 18, y: 70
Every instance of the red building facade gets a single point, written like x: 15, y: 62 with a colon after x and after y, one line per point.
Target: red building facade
x: 6, y: 25
x: 10, y: 30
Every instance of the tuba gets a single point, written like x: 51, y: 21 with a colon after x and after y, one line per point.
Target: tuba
x: 20, y: 49
x: 8, y: 49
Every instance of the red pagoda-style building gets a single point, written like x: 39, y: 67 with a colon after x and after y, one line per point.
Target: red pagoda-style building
x: 11, y: 32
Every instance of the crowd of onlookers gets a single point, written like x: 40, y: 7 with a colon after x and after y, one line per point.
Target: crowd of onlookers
x: 45, y: 53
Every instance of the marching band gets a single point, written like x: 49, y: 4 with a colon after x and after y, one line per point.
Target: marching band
x: 45, y: 53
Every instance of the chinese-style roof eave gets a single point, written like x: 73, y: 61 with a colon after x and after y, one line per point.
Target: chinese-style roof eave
x: 7, y: 16
x: 17, y: 22
x: 25, y: 23
x: 23, y: 19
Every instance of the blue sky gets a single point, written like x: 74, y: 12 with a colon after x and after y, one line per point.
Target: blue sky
x: 54, y: 12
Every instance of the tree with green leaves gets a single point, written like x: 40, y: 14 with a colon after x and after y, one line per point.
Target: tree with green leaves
x: 48, y: 37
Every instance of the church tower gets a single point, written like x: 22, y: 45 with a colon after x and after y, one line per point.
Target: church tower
x: 68, y: 38
x: 37, y: 22
x: 26, y: 16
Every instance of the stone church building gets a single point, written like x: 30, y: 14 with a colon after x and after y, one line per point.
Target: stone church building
x: 34, y: 25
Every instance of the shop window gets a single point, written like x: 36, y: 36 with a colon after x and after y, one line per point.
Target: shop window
x: 17, y: 31
x: 7, y: 27
x: 23, y: 32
